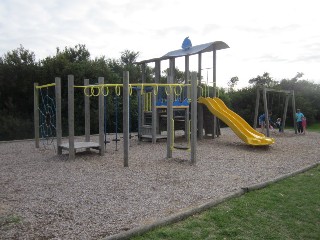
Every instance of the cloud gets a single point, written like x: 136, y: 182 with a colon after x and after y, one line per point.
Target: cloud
x: 308, y: 58
x: 210, y: 28
x: 271, y: 58
x: 277, y: 37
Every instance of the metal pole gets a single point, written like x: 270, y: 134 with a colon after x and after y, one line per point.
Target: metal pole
x: 116, y: 130
x: 105, y: 122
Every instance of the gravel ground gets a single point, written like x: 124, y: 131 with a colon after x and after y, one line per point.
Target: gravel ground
x: 45, y: 196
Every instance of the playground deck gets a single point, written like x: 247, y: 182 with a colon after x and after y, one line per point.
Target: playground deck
x: 81, y: 145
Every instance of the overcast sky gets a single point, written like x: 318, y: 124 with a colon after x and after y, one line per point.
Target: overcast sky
x: 281, y: 37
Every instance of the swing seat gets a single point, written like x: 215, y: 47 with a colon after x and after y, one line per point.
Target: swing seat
x: 181, y: 147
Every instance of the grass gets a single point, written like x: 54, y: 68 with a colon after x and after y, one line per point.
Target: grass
x: 289, y: 209
x: 314, y: 127
x: 7, y: 221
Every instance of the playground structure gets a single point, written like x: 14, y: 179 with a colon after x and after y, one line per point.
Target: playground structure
x: 149, y: 104
x: 152, y: 130
x: 100, y: 91
x: 288, y: 94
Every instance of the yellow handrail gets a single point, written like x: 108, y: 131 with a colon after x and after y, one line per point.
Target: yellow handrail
x: 165, y: 89
x: 147, y: 102
x: 45, y: 86
x: 105, y: 91
x: 155, y: 92
x: 175, y: 91
x: 92, y: 91
x: 117, y: 92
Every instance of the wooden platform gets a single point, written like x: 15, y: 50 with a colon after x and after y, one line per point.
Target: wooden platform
x: 149, y: 137
x: 79, y: 145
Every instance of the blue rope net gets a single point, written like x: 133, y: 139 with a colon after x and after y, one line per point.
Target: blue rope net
x: 47, y: 119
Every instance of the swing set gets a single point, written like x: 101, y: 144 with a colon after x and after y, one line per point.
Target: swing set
x: 288, y: 94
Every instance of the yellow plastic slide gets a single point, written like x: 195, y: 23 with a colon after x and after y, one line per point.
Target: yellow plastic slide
x: 239, y: 126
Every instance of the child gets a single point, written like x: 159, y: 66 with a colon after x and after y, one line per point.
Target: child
x: 304, y: 124
x: 278, y: 124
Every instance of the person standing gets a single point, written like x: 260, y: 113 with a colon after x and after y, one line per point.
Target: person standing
x: 299, y: 116
x: 262, y: 121
x: 304, y: 124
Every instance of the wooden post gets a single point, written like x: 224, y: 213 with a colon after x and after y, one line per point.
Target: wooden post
x: 143, y: 80
x: 186, y: 95
x: 186, y: 76
x: 71, y: 116
x: 140, y: 110
x: 200, y: 106
x: 199, y: 70
x: 154, y: 116
x: 154, y: 104
x: 265, y: 104
x: 87, y: 111
x: 200, y: 120
x: 126, y: 118
x: 58, y: 114
x: 157, y: 80
x: 194, y: 98
x: 172, y: 66
x: 294, y: 112
x: 214, y: 77
x: 170, y: 132
x: 101, y: 119
x: 256, y: 110
x: 284, y: 117
x: 36, y: 114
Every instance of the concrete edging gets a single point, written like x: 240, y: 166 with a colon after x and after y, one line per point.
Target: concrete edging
x: 173, y: 218
x: 265, y: 184
x: 189, y: 212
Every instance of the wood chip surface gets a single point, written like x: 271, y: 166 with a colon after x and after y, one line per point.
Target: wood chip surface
x: 92, y: 197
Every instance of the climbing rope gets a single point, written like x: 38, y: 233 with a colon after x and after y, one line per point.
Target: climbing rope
x: 47, y: 117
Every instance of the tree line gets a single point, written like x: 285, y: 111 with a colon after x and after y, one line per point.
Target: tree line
x: 19, y: 70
